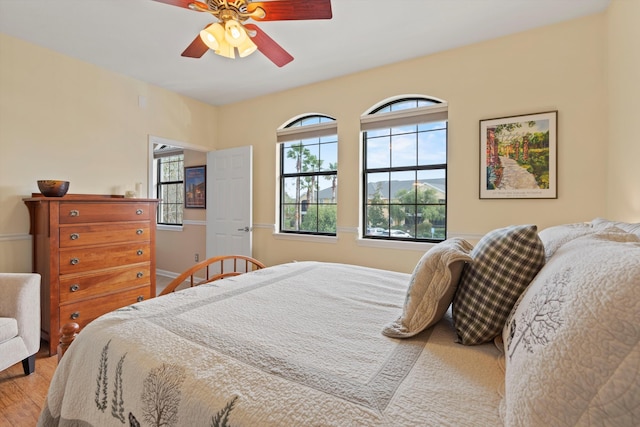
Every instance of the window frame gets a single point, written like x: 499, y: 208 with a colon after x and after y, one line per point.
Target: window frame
x: 159, y: 184
x: 376, y: 119
x: 296, y: 131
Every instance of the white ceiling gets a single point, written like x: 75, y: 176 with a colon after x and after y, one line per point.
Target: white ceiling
x: 143, y: 38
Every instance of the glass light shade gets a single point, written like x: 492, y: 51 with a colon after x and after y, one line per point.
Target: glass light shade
x: 247, y: 47
x: 234, y: 33
x: 226, y: 50
x: 212, y: 36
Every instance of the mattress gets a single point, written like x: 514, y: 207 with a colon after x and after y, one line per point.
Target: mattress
x: 291, y: 345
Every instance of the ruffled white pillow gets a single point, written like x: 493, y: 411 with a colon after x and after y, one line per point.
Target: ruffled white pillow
x: 431, y: 287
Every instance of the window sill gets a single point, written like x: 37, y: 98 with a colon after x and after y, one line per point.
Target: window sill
x: 164, y: 227
x: 394, y: 244
x: 305, y: 238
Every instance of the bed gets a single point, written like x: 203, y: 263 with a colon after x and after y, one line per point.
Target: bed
x: 525, y: 328
x: 290, y: 345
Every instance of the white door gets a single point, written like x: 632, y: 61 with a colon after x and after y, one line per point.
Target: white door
x: 229, y: 206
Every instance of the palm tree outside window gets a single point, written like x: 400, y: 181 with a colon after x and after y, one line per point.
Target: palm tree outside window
x: 309, y: 176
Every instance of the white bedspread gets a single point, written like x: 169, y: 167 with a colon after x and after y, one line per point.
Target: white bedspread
x: 292, y: 345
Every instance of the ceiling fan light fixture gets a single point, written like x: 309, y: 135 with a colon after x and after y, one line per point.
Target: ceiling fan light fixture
x: 234, y: 33
x: 225, y: 49
x: 231, y: 32
x: 247, y: 48
x: 213, y: 36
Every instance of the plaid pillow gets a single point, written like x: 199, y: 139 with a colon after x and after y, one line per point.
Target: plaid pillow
x: 504, y: 263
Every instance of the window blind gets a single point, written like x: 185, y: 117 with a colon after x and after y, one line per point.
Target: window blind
x: 413, y: 116
x: 306, y: 132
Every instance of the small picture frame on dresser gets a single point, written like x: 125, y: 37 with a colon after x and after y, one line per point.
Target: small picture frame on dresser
x: 195, y: 187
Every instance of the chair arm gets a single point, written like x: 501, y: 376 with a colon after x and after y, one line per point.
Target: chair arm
x: 21, y: 301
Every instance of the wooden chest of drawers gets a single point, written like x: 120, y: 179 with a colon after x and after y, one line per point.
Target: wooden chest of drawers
x: 96, y: 253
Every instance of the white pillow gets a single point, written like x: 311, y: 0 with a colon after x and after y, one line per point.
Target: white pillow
x: 556, y: 236
x: 572, y: 341
x: 630, y: 227
x: 431, y: 287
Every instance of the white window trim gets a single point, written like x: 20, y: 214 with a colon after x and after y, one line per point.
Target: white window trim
x: 167, y: 227
x: 420, y: 115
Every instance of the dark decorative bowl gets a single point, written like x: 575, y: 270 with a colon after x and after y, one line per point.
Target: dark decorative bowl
x: 53, y: 187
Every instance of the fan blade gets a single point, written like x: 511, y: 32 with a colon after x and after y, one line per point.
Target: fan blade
x: 196, y: 49
x: 179, y: 3
x: 287, y: 10
x: 269, y: 47
x: 196, y: 5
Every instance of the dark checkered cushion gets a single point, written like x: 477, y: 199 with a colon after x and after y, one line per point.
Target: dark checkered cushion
x: 504, y: 263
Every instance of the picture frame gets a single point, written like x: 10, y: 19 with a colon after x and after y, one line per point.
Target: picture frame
x: 195, y: 187
x: 518, y: 157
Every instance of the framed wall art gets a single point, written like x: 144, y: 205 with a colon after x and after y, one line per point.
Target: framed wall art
x: 518, y: 157
x: 195, y: 187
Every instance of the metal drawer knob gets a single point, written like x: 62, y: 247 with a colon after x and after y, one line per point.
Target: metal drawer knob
x: 74, y: 288
x: 140, y: 298
x: 139, y: 252
x: 139, y: 231
x: 75, y: 315
x: 74, y: 236
x: 74, y: 261
x: 140, y: 274
x: 138, y: 211
x: 74, y: 212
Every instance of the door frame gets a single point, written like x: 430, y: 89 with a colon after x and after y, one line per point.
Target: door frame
x: 166, y: 141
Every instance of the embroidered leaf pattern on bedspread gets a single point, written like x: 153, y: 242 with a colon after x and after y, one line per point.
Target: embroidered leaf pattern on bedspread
x: 101, y: 381
x: 161, y: 395
x: 117, y: 404
x: 542, y: 318
x: 133, y: 422
x: 221, y: 419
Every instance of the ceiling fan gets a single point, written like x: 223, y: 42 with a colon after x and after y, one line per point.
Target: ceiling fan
x: 231, y: 33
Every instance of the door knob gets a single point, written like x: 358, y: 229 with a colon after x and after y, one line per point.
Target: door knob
x: 246, y: 229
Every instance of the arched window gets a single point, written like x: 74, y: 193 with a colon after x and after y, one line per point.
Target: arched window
x: 309, y: 175
x: 405, y: 170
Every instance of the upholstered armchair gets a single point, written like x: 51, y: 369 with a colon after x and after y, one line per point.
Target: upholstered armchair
x: 19, y: 320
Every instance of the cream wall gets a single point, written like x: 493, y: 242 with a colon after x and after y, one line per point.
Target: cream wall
x: 560, y: 67
x: 175, y: 250
x: 623, y: 80
x: 61, y: 118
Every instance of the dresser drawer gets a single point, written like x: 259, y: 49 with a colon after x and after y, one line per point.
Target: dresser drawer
x: 95, y: 234
x: 85, y: 311
x: 81, y: 286
x: 77, y: 260
x: 76, y: 213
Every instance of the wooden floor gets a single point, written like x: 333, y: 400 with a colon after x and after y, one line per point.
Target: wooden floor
x: 22, y: 397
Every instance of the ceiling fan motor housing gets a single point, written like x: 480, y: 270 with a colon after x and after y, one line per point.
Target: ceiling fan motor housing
x: 236, y: 9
